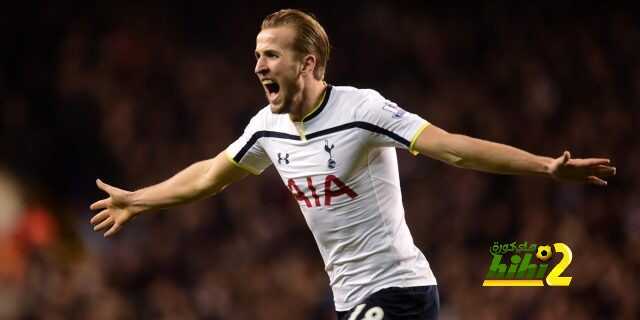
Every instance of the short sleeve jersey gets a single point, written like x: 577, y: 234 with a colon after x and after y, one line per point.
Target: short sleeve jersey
x: 340, y: 164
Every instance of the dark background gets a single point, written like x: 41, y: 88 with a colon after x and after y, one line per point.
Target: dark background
x: 132, y: 93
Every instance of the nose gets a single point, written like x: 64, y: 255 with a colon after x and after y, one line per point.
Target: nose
x: 261, y: 67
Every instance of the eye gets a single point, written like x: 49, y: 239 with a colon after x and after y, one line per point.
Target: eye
x: 268, y: 55
x: 271, y: 55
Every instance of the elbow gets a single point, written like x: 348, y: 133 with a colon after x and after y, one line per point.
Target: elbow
x: 453, y: 148
x: 217, y: 188
x: 456, y: 161
x: 211, y: 187
x: 448, y: 155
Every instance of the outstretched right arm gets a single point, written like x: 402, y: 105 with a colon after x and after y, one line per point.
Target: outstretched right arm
x: 199, y: 180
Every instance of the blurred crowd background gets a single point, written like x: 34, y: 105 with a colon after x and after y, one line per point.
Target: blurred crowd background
x: 132, y: 93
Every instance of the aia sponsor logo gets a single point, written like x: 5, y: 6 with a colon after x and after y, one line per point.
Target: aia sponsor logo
x: 333, y: 187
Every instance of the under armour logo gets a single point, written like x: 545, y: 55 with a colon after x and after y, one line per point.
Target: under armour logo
x: 331, y: 163
x: 285, y: 158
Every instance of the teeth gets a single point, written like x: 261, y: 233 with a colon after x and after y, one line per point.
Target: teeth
x: 267, y: 81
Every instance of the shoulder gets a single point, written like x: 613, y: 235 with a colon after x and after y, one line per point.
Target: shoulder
x: 264, y: 114
x: 264, y: 119
x: 353, y: 93
x: 360, y: 101
x: 365, y: 104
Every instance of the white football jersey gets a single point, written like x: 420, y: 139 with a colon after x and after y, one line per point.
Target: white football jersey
x: 340, y: 165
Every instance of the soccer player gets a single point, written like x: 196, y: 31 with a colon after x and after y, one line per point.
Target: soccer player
x: 334, y: 147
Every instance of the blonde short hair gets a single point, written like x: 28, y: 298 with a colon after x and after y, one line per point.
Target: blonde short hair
x: 310, y: 35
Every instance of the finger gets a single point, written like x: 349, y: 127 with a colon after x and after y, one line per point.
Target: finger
x: 566, y: 156
x: 100, y: 216
x: 100, y: 204
x: 596, y: 181
x: 114, y: 229
x: 603, y: 171
x: 107, y: 222
x: 594, y: 161
x: 104, y: 187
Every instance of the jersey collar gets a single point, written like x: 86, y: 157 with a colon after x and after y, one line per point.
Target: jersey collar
x: 323, y: 102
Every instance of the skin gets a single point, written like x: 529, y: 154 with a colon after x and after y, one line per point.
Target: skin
x: 471, y: 153
x: 293, y: 71
x: 299, y: 93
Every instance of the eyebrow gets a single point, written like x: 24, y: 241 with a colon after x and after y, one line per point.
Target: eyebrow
x: 272, y: 51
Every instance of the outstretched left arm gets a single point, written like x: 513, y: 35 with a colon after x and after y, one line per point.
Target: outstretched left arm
x: 471, y: 153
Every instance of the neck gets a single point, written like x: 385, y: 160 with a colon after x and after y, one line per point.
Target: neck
x: 311, y: 95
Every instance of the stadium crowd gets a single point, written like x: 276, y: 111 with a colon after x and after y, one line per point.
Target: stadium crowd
x: 132, y: 94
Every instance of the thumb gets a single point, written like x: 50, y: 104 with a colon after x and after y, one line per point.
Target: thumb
x: 566, y: 156
x: 103, y: 186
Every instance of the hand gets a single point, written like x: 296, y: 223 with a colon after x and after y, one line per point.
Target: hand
x: 117, y: 209
x: 590, y: 170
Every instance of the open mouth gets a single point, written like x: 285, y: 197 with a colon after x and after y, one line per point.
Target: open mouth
x: 272, y: 88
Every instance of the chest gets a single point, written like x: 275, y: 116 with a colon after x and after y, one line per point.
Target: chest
x: 339, y: 154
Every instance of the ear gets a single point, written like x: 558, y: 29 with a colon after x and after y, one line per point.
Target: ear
x: 308, y: 64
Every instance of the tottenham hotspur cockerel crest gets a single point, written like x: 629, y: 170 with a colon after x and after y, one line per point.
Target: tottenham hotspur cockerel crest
x: 331, y: 163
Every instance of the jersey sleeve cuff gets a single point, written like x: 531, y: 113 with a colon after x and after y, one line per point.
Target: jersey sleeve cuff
x: 416, y: 136
x: 243, y: 167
